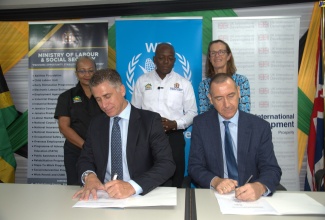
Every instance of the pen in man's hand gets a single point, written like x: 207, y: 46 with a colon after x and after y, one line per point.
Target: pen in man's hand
x: 115, y: 176
x: 249, y: 179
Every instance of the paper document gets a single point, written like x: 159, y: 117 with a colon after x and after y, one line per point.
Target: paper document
x: 161, y: 196
x: 230, y: 205
x: 277, y: 204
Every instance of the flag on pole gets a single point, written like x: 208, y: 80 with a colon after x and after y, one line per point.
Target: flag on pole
x: 315, y: 148
x: 8, y: 114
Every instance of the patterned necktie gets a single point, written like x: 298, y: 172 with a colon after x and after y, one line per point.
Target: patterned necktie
x: 230, y: 157
x: 116, y: 150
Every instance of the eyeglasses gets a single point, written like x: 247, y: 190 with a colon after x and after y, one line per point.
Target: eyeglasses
x: 83, y: 72
x: 219, y: 52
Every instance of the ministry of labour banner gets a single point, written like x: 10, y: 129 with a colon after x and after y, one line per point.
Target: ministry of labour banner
x: 136, y: 42
x: 53, y: 51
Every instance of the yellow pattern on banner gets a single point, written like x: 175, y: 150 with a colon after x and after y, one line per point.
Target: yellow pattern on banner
x: 13, y: 44
x: 50, y: 34
x: 7, y: 172
x: 306, y: 78
x: 111, y: 58
x: 5, y: 100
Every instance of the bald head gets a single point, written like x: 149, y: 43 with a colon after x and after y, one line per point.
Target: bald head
x: 164, y: 59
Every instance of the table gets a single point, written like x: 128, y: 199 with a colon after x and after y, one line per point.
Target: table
x: 54, y: 202
x: 207, y: 208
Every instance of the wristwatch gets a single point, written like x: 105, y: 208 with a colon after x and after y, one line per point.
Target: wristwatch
x: 85, y: 174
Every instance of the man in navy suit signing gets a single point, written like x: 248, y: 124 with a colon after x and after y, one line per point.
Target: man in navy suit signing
x: 126, y: 150
x: 255, y: 171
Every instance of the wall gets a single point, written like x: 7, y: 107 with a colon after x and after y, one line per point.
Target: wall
x: 17, y: 77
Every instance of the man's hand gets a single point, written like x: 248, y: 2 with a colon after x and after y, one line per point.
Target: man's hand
x: 250, y: 191
x: 224, y: 186
x: 119, y: 189
x: 92, y: 184
x: 168, y: 124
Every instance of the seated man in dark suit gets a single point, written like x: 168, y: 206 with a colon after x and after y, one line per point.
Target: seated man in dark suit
x: 224, y: 155
x: 126, y: 151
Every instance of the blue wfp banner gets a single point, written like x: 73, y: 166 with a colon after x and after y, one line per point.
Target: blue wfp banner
x: 136, y: 42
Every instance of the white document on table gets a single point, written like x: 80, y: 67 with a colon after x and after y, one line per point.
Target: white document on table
x: 277, y: 204
x: 230, y: 205
x: 295, y: 204
x: 161, y: 196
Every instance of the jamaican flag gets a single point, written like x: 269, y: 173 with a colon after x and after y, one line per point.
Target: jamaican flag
x: 8, y: 114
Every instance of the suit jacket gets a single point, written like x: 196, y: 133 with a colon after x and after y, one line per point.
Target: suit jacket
x: 149, y: 155
x: 255, y: 154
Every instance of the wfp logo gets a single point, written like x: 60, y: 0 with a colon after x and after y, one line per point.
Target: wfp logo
x: 138, y: 66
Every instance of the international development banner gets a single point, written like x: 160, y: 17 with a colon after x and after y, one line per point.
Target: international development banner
x: 136, y: 42
x: 265, y: 50
x: 53, y: 51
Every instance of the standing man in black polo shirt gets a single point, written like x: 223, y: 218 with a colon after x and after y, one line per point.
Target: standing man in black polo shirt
x: 74, y: 110
x: 172, y: 96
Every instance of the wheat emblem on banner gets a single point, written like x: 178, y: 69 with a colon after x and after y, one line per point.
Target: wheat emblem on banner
x: 130, y: 72
x: 187, y: 73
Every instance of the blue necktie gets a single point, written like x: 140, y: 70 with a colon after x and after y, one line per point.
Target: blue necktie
x: 230, y: 157
x: 116, y: 150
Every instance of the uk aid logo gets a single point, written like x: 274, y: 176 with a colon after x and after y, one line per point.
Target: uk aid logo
x: 142, y: 63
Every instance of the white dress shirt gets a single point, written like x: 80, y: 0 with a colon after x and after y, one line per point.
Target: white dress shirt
x: 124, y: 125
x: 172, y: 97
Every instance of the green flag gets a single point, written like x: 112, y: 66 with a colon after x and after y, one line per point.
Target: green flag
x: 8, y: 114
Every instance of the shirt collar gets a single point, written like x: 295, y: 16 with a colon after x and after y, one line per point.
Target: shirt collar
x: 232, y: 120
x: 125, y: 114
x: 167, y: 76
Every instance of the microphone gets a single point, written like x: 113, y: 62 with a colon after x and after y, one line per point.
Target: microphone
x: 159, y: 87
